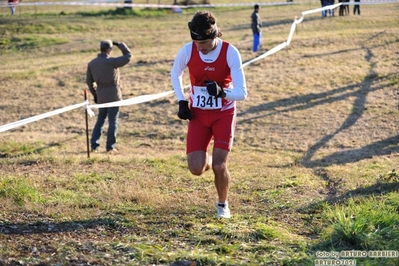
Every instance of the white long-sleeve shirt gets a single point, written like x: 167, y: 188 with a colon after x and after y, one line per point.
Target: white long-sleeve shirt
x: 236, y: 92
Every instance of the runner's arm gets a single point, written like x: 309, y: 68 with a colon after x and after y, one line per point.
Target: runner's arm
x: 176, y: 74
x: 238, y: 91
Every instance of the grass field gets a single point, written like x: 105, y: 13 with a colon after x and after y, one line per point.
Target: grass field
x: 313, y: 163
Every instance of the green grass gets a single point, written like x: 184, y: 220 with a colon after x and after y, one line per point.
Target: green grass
x: 368, y: 224
x: 19, y: 190
x: 15, y: 149
x: 364, y: 224
x: 30, y: 42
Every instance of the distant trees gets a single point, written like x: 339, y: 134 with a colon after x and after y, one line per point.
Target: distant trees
x: 191, y: 2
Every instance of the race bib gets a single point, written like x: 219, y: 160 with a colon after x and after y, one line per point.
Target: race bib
x: 202, y: 99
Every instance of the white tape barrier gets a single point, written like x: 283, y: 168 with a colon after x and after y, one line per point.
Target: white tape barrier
x: 270, y: 52
x: 102, y: 3
x: 99, y: 3
x: 135, y: 100
x: 131, y: 101
x: 39, y: 117
x: 371, y: 2
x: 147, y: 98
x: 292, y: 30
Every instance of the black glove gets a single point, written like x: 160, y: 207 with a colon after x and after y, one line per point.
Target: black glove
x: 214, y: 89
x: 95, y: 98
x: 184, y: 111
x: 115, y: 43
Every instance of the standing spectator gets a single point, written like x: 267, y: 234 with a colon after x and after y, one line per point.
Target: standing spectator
x: 331, y: 11
x: 323, y: 4
x: 102, y: 78
x: 356, y: 8
x: 256, y: 26
x: 217, y: 82
x: 341, y: 7
x: 13, y: 5
x: 346, y: 9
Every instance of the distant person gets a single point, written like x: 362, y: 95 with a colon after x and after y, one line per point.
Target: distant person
x: 256, y: 26
x: 217, y: 82
x: 346, y: 9
x: 323, y: 4
x: 356, y: 8
x: 331, y: 11
x: 13, y: 5
x: 341, y: 8
x: 102, y: 78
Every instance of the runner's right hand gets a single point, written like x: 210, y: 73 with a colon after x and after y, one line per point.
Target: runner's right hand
x: 184, y: 111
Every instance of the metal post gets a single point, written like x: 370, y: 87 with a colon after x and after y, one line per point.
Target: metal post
x: 87, y: 129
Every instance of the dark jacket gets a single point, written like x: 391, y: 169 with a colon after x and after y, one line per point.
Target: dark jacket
x: 102, y: 75
x: 256, y: 24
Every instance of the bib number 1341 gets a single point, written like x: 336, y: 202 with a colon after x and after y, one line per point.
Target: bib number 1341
x: 201, y: 99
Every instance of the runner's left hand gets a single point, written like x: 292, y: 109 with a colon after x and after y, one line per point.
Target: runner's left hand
x: 214, y: 89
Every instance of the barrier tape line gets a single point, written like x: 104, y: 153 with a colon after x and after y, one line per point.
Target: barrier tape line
x: 146, y: 98
x: 41, y: 116
x: 143, y: 5
x: 106, y: 4
x: 131, y: 101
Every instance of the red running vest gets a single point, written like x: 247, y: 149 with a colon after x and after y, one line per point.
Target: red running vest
x: 218, y: 71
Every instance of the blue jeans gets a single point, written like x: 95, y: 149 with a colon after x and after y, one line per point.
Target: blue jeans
x: 323, y: 4
x: 256, y: 43
x: 12, y: 8
x: 113, y: 115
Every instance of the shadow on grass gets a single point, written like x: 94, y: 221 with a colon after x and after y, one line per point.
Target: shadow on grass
x: 379, y: 148
x: 10, y: 153
x: 55, y: 227
x: 303, y: 102
x: 357, y: 112
x: 379, y: 188
x: 109, y: 12
x: 382, y: 147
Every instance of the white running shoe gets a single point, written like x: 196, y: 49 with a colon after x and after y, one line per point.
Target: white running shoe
x: 223, y: 210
